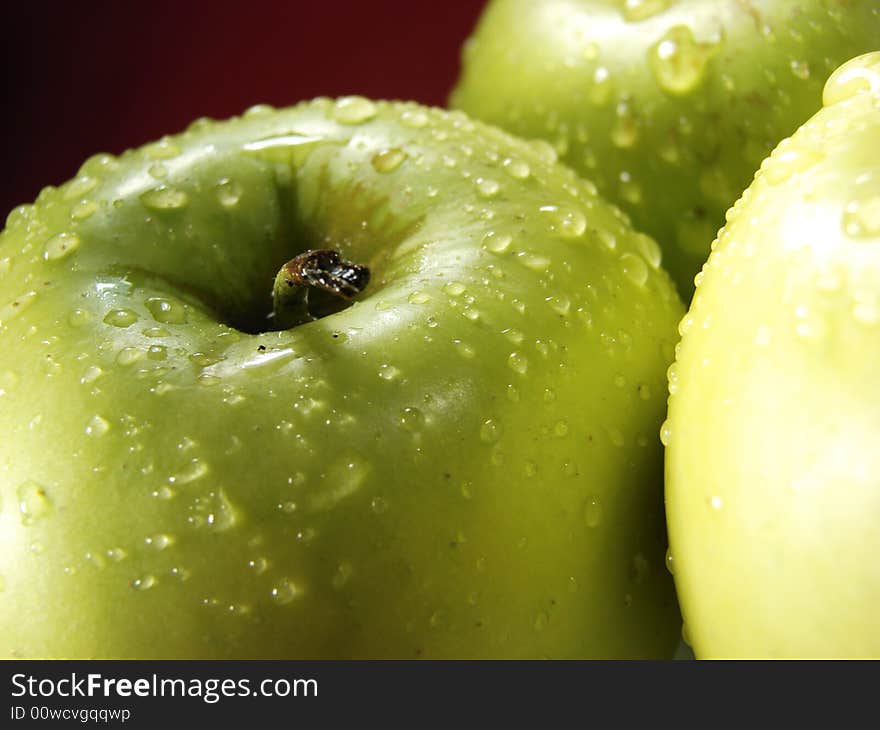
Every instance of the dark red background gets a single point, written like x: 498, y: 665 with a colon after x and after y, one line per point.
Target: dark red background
x: 87, y: 77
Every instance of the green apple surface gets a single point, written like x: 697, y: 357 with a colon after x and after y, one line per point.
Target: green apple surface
x: 462, y: 463
x: 773, y: 456
x: 668, y: 106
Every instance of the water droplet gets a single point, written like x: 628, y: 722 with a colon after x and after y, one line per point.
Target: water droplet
x: 625, y: 132
x: 490, y: 431
x: 97, y: 426
x: 160, y: 541
x: 649, y: 249
x: 166, y: 311
x: 670, y: 562
x: 229, y: 193
x: 788, y: 160
x: 516, y: 168
x: 414, y: 118
x: 679, y: 61
x: 157, y: 170
x: 33, y: 502
x: 560, y: 429
x: 454, y: 288
x: 162, y: 149
x: 636, y: 10
x: 634, y: 268
x: 379, y: 505
x: 535, y: 262
x: 716, y: 503
x: 144, y: 583
x: 665, y: 432
x: 419, y: 297
x: 343, y: 574
x: 497, y: 242
x: 600, y: 91
x: 195, y: 470
x: 388, y: 372
x: 801, y: 69
x: 213, y: 511
x: 518, y: 362
x: 861, y: 75
x: 412, y: 419
x: 284, y: 591
x: 861, y: 217
x: 121, y: 317
x: 79, y: 186
x: 12, y: 310
x: 486, y: 187
x: 354, y: 110
x: 129, y: 356
x: 388, y: 160
x: 565, y: 222
x: 61, y: 245
x: 164, y: 198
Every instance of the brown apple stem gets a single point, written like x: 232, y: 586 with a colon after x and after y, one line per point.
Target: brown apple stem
x: 314, y: 284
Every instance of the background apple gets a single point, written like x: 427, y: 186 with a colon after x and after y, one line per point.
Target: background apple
x: 464, y: 463
x: 668, y: 106
x: 773, y: 438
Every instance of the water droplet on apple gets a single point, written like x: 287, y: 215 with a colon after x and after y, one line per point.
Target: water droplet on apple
x: 670, y: 562
x: 600, y: 91
x: 486, y: 187
x: 144, y: 583
x: 212, y: 511
x: 412, y: 419
x: 129, y: 355
x: 861, y: 217
x: 388, y: 160
x: 97, y: 426
x: 787, y: 161
x: 634, y: 268
x: 490, y: 431
x: 678, y: 61
x: 454, y: 288
x: 636, y: 10
x: 625, y: 132
x: 166, y: 311
x: 18, y: 305
x: 343, y: 574
x: 121, y: 317
x: 564, y: 222
x: 593, y: 512
x: 195, y: 470
x: 284, y: 592
x: 164, y: 198
x: 61, y: 245
x: 79, y: 186
x: 388, y: 372
x: 665, y: 432
x: 157, y: 170
x: 160, y: 541
x: 560, y: 429
x: 861, y: 75
x: 414, y: 118
x: 518, y: 362
x: 33, y: 502
x: 716, y: 503
x: 354, y: 110
x: 517, y: 169
x: 229, y: 192
x: 8, y: 381
x: 379, y: 505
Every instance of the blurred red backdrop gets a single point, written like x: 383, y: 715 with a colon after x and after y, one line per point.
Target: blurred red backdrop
x: 95, y: 77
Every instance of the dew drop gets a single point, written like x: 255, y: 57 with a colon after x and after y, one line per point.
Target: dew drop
x: 388, y: 372
x: 716, y: 503
x: 787, y: 161
x: 284, y: 592
x: 229, y: 193
x: 636, y: 10
x: 33, y: 502
x: 861, y: 217
x: 341, y: 577
x: 861, y: 75
x: 18, y: 305
x: 454, y: 288
x: 565, y: 222
x: 600, y: 91
x: 388, y: 160
x: 490, y: 431
x: 414, y: 118
x: 195, y: 470
x: 625, y: 132
x: 495, y: 242
x: 665, y: 432
x: 120, y: 317
x: 634, y: 268
x: 419, y: 297
x: 670, y: 563
x: 518, y: 362
x: 516, y: 168
x: 129, y: 356
x: 144, y: 583
x: 97, y: 426
x: 412, y: 419
x: 157, y: 170
x: 379, y: 505
x: 164, y: 198
x: 678, y: 61
x: 354, y: 110
x: 212, y: 511
x: 61, y: 245
x: 801, y: 69
x: 160, y: 541
x: 486, y: 187
x: 166, y: 311
x: 649, y: 249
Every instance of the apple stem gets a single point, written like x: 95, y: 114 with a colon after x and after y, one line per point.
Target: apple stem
x: 313, y: 284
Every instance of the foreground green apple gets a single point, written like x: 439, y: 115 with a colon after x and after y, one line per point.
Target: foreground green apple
x: 668, y: 106
x: 773, y: 458
x: 460, y: 464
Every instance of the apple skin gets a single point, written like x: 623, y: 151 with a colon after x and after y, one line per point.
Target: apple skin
x: 667, y: 106
x: 463, y: 463
x: 773, y: 437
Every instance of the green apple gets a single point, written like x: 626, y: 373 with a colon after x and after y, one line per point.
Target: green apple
x: 461, y: 463
x: 773, y: 457
x: 668, y: 106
